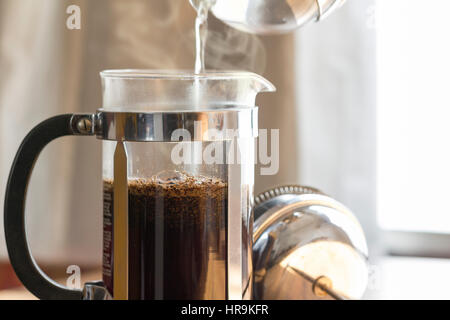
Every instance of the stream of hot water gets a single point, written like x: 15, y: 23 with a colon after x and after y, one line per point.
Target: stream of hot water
x: 201, y: 31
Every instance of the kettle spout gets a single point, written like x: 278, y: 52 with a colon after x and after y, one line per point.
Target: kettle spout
x: 272, y: 16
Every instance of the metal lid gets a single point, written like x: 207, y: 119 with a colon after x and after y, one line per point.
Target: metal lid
x: 307, y: 246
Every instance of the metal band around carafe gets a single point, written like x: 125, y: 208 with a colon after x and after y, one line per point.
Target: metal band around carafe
x: 162, y: 126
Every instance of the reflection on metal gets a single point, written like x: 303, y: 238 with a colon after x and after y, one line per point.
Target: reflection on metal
x: 307, y: 246
x: 273, y: 16
x: 234, y: 233
x: 120, y: 223
x: 160, y: 126
x: 291, y: 189
x: 321, y: 286
x: 95, y: 291
x: 326, y: 7
x: 84, y: 124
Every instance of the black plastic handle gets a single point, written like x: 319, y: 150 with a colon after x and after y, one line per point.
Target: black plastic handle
x: 14, y: 212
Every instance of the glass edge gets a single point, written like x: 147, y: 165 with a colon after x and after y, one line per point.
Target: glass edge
x: 266, y: 85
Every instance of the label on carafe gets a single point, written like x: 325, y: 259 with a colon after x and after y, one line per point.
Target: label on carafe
x: 108, y: 236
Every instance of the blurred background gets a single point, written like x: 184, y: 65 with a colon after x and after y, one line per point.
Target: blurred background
x: 362, y: 107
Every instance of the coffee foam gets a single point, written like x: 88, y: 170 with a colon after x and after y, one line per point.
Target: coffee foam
x: 176, y: 184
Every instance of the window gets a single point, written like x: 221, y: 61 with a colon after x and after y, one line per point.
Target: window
x: 413, y: 115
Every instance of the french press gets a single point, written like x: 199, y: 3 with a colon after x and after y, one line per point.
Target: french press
x: 178, y: 176
x: 178, y: 170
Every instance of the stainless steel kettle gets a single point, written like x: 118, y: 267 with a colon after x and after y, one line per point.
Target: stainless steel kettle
x: 270, y: 16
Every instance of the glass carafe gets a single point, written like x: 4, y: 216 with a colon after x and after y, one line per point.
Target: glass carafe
x: 178, y: 171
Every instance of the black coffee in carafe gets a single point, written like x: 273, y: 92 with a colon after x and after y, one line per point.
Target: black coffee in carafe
x: 177, y: 238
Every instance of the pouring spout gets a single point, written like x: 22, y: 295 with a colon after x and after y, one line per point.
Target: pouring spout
x: 261, y: 84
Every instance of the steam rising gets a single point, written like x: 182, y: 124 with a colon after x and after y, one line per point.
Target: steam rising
x: 160, y: 35
x: 231, y: 49
x: 141, y: 30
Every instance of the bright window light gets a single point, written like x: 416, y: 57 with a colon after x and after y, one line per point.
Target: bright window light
x: 413, y: 115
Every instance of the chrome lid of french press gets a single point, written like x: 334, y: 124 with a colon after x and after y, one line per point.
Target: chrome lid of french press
x: 307, y: 246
